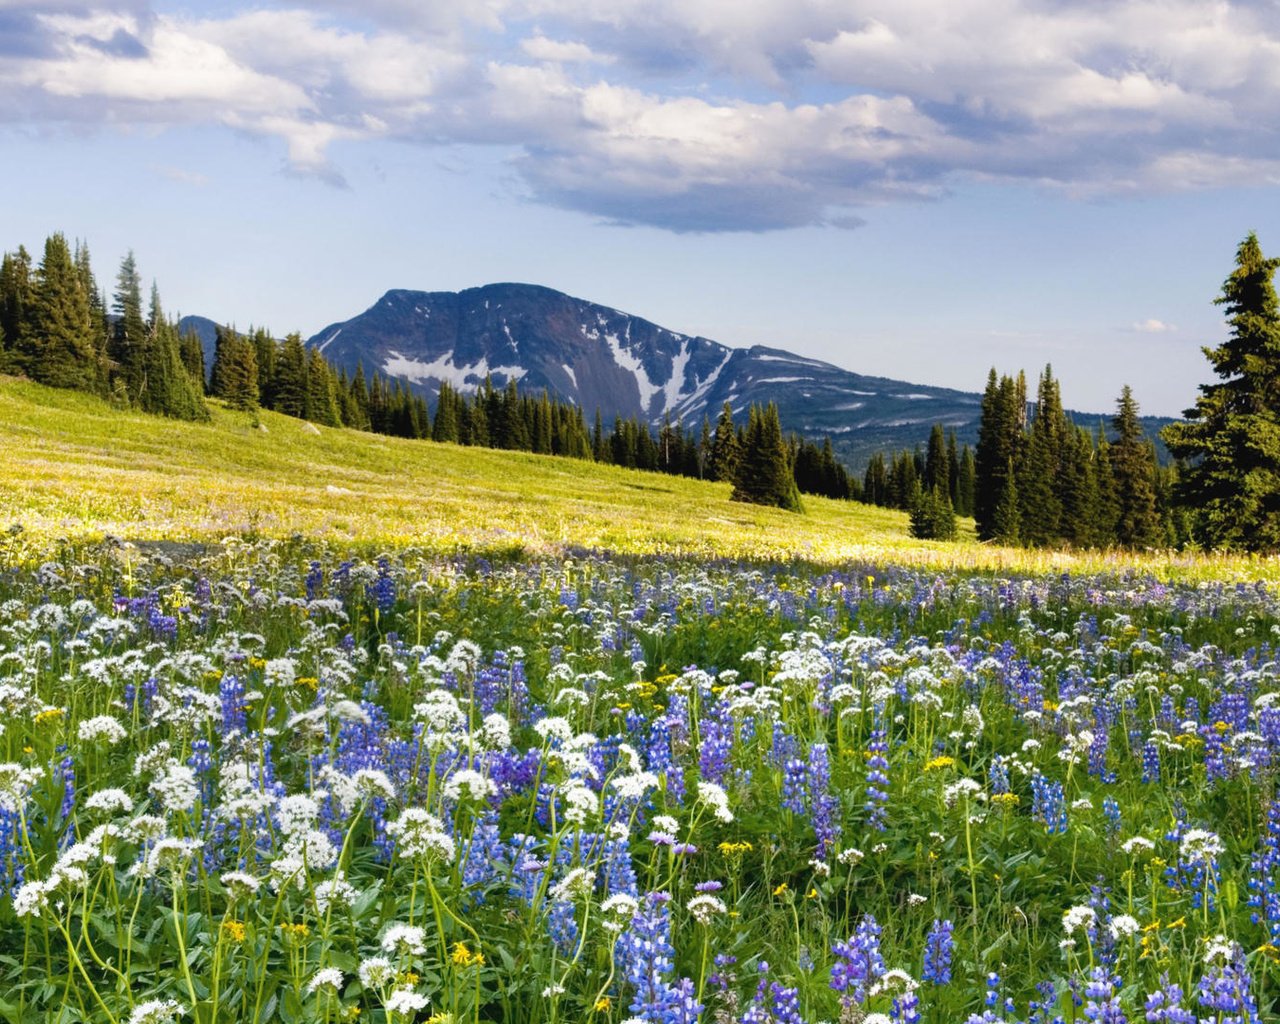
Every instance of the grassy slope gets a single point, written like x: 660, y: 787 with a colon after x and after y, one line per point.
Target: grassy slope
x: 73, y: 467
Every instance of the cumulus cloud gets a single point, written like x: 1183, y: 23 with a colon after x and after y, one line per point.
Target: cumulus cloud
x: 1153, y: 326
x: 694, y: 115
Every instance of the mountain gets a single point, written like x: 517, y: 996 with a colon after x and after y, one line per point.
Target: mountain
x: 624, y: 365
x: 599, y: 357
x: 204, y: 329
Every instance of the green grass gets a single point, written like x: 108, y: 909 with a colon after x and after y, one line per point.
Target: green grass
x: 74, y: 468
x: 71, y: 466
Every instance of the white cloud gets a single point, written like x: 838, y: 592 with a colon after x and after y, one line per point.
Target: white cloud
x: 695, y: 114
x: 556, y: 51
x: 1153, y: 326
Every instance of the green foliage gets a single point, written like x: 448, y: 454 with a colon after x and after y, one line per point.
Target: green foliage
x: 235, y: 370
x: 57, y: 345
x: 764, y: 475
x: 1133, y: 468
x: 932, y: 517
x: 1230, y: 440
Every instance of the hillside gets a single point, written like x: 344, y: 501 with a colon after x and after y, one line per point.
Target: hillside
x: 72, y: 466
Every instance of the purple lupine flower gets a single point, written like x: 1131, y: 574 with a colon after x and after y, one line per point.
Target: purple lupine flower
x: 1048, y: 805
x: 937, y: 953
x: 794, y: 789
x: 1103, y: 1003
x: 824, y: 807
x: 877, y: 779
x: 859, y: 964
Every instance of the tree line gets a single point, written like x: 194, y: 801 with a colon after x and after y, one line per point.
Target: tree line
x: 58, y: 328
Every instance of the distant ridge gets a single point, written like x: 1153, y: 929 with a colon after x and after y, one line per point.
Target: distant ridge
x: 624, y: 365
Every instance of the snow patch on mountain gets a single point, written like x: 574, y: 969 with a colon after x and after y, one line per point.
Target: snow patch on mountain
x: 628, y: 361
x: 470, y: 376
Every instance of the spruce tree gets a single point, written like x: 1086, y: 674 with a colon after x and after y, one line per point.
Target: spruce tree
x: 235, y: 370
x: 322, y: 395
x: 725, y: 450
x: 764, y: 475
x: 289, y: 378
x: 127, y: 347
x: 15, y: 296
x: 57, y: 346
x: 1230, y: 440
x: 1133, y: 466
x: 1041, y: 511
x: 1006, y: 522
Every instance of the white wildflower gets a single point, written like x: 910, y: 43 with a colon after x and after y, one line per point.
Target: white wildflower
x: 406, y: 1002
x: 711, y: 794
x: 296, y: 813
x: 1079, y: 919
x: 421, y: 834
x: 1124, y: 925
x: 704, y: 907
x: 404, y: 938
x: 109, y: 800
x: 101, y: 727
x: 577, y: 884
x: 470, y: 785
x: 240, y: 884
x: 157, y: 1011
x: 371, y: 782
x: 326, y: 977
x: 376, y: 971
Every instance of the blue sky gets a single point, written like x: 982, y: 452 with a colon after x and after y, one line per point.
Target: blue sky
x: 915, y: 189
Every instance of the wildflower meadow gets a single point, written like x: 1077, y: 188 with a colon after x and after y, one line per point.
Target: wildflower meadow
x: 272, y: 781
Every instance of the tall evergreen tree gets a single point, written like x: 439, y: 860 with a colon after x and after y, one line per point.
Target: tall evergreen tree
x: 1133, y: 466
x: 57, y: 347
x: 15, y: 296
x: 127, y: 347
x: 1230, y: 439
x: 289, y: 378
x: 169, y: 390
x: 764, y: 475
x: 725, y: 450
x: 235, y: 370
x: 1041, y: 511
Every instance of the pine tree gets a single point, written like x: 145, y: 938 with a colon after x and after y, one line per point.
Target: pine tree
x: 289, y: 379
x: 764, y: 475
x: 15, y: 296
x: 936, y: 467
x: 170, y: 390
x: 1230, y: 440
x: 322, y: 395
x: 965, y: 482
x: 1007, y: 524
x: 932, y: 516
x: 875, y: 482
x: 1133, y: 465
x: 994, y: 459
x: 235, y: 370
x: 57, y: 346
x: 1107, y: 509
x: 1041, y: 511
x: 128, y: 343
x: 725, y: 450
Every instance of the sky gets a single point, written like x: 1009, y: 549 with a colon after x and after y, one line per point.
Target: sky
x: 921, y: 189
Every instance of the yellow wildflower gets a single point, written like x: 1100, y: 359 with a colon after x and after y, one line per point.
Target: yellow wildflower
x: 940, y: 762
x: 233, y: 930
x: 603, y: 1004
x: 781, y: 890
